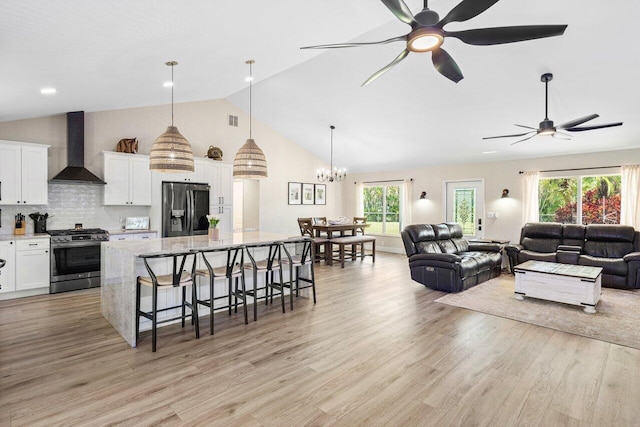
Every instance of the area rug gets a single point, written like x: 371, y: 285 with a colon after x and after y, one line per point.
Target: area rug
x: 617, y: 319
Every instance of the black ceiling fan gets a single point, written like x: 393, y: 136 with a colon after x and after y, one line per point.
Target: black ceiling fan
x: 547, y: 127
x: 427, y: 34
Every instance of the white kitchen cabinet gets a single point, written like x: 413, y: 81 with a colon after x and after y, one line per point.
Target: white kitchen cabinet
x: 32, y: 264
x: 144, y: 236
x: 225, y: 213
x: 222, y: 184
x: 115, y: 237
x: 8, y: 272
x: 23, y: 173
x: 128, y: 179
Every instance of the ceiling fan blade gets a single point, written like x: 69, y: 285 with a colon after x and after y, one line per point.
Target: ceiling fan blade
x: 576, y: 122
x: 333, y: 46
x: 561, y: 135
x: 583, y: 128
x: 507, y: 136
x: 446, y: 65
x: 393, y: 63
x: 466, y: 10
x: 500, y: 35
x: 401, y: 10
x: 525, y: 139
x: 526, y: 127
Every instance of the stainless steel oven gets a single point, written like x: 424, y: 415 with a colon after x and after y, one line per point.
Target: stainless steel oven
x: 75, y: 259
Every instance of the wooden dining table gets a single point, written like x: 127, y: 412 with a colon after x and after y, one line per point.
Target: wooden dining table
x: 341, y: 229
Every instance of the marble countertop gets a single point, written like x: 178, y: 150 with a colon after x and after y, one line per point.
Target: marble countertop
x: 121, y: 231
x: 5, y: 237
x: 178, y: 244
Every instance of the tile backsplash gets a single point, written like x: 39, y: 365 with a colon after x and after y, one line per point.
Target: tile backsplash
x: 70, y: 204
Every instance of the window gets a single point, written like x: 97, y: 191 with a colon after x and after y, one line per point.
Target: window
x: 382, y: 208
x: 580, y: 200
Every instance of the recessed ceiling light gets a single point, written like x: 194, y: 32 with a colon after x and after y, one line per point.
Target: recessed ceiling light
x: 48, y: 91
x: 489, y: 152
x: 248, y: 79
x: 167, y: 84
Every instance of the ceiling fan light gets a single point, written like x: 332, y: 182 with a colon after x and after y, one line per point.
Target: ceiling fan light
x: 424, y: 40
x: 547, y: 132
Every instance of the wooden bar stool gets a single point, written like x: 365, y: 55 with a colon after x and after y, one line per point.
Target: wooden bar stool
x: 298, y: 253
x: 178, y: 278
x: 233, y: 269
x: 267, y: 265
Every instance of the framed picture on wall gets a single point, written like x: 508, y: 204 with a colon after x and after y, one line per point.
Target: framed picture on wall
x: 307, y: 194
x: 295, y: 193
x: 320, y: 194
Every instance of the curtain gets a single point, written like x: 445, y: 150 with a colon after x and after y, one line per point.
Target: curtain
x: 359, y: 199
x: 407, y: 203
x: 630, y: 199
x: 530, y: 209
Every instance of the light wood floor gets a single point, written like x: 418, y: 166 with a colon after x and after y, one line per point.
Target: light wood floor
x: 375, y: 350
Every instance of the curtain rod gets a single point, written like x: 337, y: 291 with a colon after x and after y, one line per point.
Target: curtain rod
x: 378, y: 182
x: 576, y: 169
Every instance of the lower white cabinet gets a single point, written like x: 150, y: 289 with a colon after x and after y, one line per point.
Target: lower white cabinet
x: 32, y: 264
x: 8, y: 272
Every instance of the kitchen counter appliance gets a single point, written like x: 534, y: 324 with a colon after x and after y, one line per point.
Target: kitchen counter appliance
x: 185, y: 207
x: 75, y: 258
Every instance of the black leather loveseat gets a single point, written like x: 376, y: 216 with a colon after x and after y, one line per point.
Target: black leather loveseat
x: 442, y: 259
x: 615, y: 248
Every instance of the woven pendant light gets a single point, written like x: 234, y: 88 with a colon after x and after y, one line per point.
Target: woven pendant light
x: 250, y: 162
x: 171, y: 152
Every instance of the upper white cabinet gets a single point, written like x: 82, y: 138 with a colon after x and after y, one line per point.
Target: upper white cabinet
x: 23, y: 173
x: 128, y: 179
x: 222, y: 184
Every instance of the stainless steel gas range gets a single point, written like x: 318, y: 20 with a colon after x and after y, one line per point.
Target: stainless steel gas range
x: 75, y: 258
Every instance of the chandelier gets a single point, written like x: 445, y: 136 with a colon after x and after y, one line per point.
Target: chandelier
x: 333, y: 173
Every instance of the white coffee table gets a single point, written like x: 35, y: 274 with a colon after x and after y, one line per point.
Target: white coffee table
x: 570, y: 284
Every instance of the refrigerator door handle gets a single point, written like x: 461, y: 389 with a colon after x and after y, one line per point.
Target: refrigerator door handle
x: 189, y: 215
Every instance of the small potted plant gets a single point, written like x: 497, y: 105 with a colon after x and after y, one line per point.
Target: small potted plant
x: 214, y: 231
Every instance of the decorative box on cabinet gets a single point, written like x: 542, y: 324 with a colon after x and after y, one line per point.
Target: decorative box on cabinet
x: 128, y: 179
x: 23, y: 173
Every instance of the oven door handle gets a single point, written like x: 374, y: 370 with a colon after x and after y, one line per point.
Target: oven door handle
x: 77, y: 244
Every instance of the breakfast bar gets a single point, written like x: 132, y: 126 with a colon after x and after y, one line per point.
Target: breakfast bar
x: 121, y: 265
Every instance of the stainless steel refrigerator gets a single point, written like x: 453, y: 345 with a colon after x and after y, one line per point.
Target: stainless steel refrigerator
x: 184, y: 209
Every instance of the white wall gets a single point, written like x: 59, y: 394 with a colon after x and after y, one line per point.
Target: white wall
x: 496, y: 175
x: 203, y: 123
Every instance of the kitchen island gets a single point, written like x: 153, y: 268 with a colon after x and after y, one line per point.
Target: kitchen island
x: 120, y: 266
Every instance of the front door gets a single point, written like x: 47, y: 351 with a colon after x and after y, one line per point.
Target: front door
x: 465, y: 205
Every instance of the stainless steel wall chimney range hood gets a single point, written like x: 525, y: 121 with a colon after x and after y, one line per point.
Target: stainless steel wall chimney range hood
x: 75, y: 172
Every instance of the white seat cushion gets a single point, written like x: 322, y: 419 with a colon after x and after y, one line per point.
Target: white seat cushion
x: 167, y: 280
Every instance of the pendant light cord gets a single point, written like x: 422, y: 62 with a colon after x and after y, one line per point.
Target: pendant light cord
x: 172, y: 94
x: 250, y: 62
x: 331, y: 158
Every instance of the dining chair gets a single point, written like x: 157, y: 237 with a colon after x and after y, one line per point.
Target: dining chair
x: 178, y: 278
x: 232, y: 269
x: 359, y: 220
x: 320, y: 244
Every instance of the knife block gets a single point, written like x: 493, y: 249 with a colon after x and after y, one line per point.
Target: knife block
x: 20, y: 230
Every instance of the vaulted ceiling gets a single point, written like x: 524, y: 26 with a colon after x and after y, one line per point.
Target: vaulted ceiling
x: 103, y: 55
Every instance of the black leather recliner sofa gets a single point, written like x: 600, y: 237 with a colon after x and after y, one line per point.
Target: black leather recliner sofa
x: 442, y: 259
x: 615, y: 248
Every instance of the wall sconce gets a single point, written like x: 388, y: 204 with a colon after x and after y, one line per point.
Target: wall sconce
x: 505, y: 193
x: 423, y: 195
